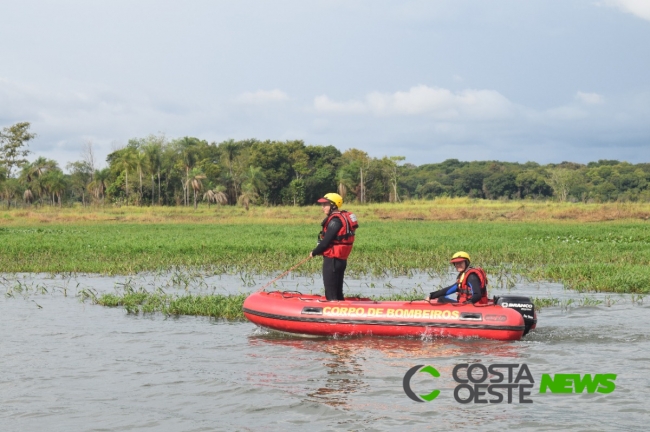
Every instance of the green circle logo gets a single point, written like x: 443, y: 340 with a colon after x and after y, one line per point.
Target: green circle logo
x: 407, y: 383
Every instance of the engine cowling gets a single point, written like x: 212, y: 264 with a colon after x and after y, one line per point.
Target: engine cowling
x: 523, y: 305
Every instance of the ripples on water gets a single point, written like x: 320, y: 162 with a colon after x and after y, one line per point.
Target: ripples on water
x: 69, y: 366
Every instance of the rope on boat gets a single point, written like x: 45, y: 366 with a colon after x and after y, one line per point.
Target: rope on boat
x: 284, y: 274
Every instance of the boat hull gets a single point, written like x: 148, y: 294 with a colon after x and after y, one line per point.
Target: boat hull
x: 313, y: 315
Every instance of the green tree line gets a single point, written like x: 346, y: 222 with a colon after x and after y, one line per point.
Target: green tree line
x: 185, y: 171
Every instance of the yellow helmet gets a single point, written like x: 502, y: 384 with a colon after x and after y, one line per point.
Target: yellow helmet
x: 459, y: 256
x: 333, y: 199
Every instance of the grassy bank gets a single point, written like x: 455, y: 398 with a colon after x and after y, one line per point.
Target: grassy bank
x: 600, y: 256
x: 441, y: 209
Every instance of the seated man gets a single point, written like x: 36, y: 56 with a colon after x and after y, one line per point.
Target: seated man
x: 470, y: 286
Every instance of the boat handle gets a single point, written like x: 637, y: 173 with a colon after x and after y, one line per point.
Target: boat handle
x: 312, y: 311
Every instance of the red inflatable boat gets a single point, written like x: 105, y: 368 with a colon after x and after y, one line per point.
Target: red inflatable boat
x: 506, y: 318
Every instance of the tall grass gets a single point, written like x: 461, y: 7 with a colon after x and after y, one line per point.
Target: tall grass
x: 602, y: 256
x: 440, y: 209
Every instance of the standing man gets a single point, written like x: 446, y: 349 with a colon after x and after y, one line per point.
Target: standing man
x: 470, y: 286
x: 335, y: 244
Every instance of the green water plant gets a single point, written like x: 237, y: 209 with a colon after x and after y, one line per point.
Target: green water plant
x: 141, y: 301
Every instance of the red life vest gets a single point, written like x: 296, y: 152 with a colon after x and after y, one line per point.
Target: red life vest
x: 341, y: 246
x: 464, y: 290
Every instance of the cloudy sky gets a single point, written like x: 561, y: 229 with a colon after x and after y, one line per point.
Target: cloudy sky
x: 511, y: 80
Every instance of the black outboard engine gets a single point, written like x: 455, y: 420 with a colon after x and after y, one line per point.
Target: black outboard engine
x: 523, y: 305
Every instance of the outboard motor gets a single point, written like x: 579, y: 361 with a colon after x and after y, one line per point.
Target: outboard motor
x: 523, y: 305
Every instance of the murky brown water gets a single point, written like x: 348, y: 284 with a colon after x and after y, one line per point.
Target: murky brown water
x: 69, y: 366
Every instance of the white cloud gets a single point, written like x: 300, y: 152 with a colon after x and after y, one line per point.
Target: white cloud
x: 324, y: 104
x: 421, y: 119
x: 423, y: 100
x: 261, y: 97
x: 589, y: 98
x: 640, y: 8
x: 64, y: 119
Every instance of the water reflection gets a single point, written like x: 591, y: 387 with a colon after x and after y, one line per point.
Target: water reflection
x: 344, y: 376
x: 60, y: 364
x: 415, y: 348
x: 347, y: 361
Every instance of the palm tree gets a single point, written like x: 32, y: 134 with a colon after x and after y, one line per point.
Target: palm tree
x: 153, y: 151
x: 57, y: 184
x: 141, y: 163
x: 346, y: 181
x: 227, y: 180
x: 28, y: 196
x: 391, y: 166
x: 32, y: 175
x: 125, y: 161
x: 194, y: 180
x: 169, y: 167
x: 342, y: 190
x: 40, y: 166
x: 248, y: 195
x: 98, y: 186
x: 360, y: 161
x: 230, y: 150
x: 9, y: 188
x: 255, y: 177
x: 188, y: 155
x: 216, y: 196
x: 3, y: 178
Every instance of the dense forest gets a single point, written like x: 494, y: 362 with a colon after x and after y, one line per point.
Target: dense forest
x: 185, y: 171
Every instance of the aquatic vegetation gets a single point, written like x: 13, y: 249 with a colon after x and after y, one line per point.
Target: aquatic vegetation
x: 17, y: 287
x: 589, y: 302
x: 637, y: 299
x: 159, y: 293
x: 542, y: 302
x: 566, y: 304
x: 142, y: 301
x: 603, y: 256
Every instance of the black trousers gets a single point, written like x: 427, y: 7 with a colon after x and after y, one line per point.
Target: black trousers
x: 333, y: 270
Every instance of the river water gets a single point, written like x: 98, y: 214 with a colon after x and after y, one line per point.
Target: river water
x: 73, y: 366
